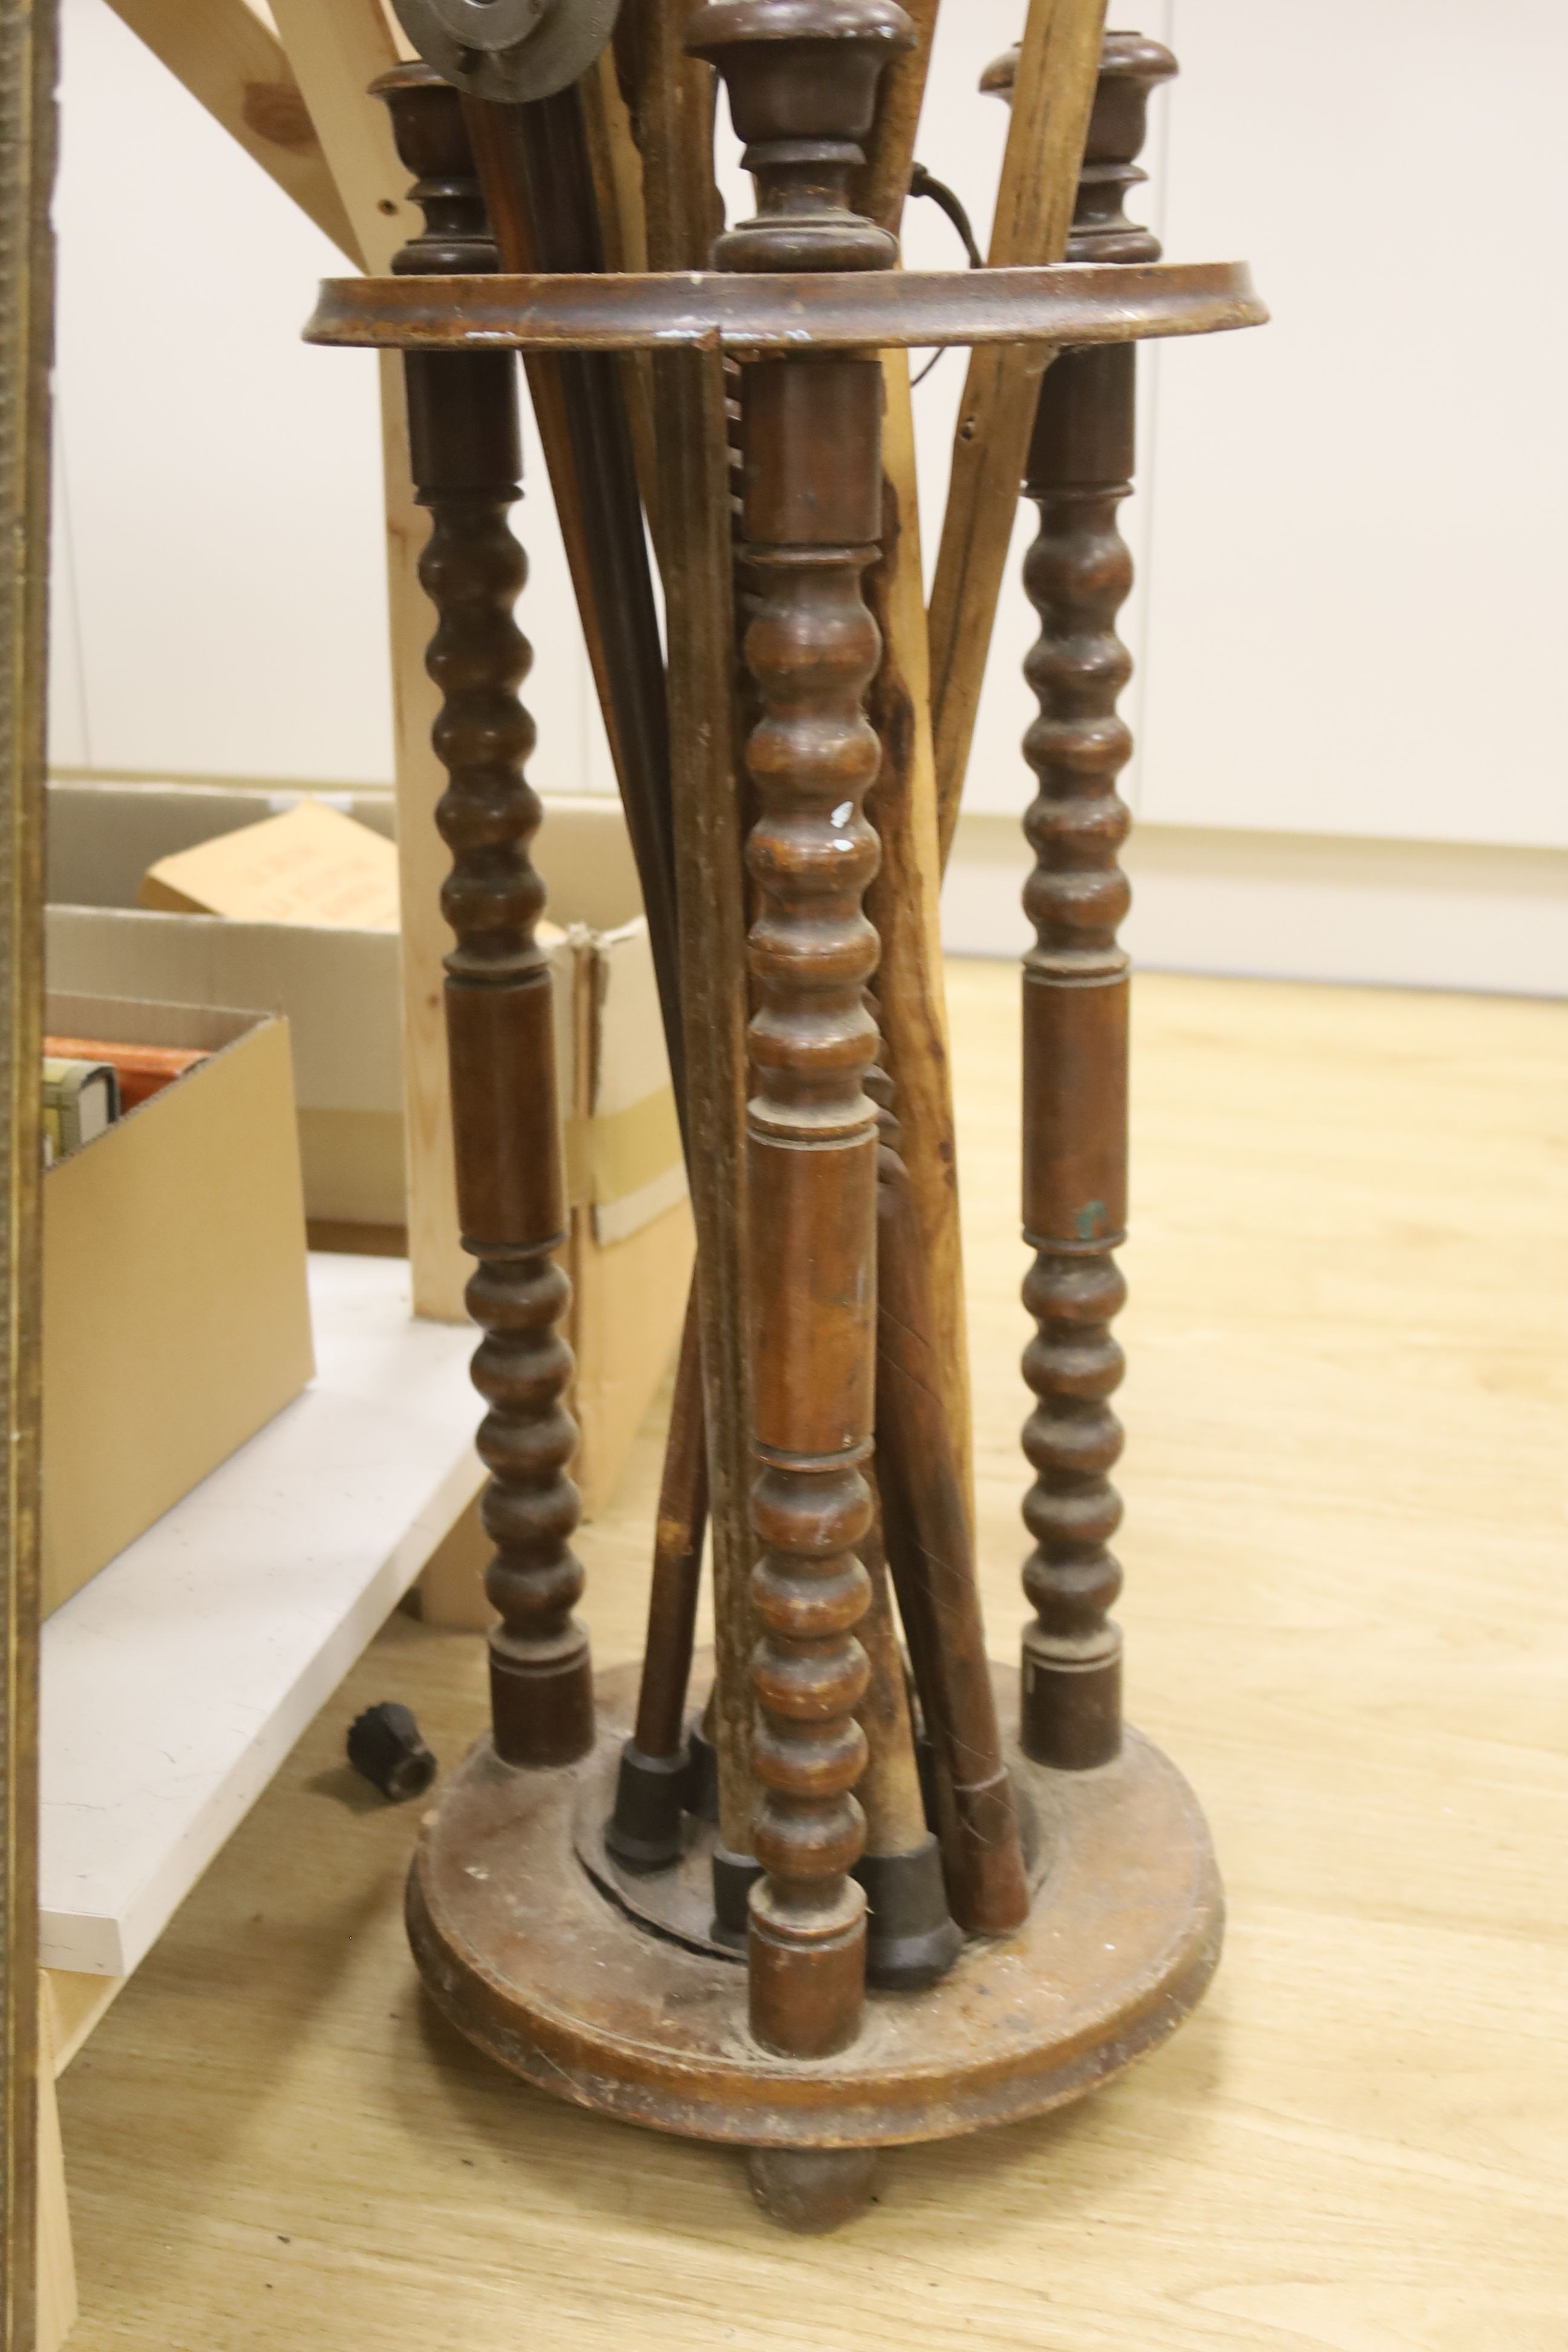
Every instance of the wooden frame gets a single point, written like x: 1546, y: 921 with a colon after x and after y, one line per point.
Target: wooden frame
x: 28, y: 71
x: 336, y: 159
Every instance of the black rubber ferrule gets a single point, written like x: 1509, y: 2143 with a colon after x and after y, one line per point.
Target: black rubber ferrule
x: 911, y: 1938
x: 644, y: 1830
x: 384, y: 1747
x: 734, y: 1875
x: 701, y: 1796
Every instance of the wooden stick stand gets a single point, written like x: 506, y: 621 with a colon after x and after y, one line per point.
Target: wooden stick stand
x: 916, y: 1966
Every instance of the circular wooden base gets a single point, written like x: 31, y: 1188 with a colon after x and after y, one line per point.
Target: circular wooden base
x: 539, y: 1964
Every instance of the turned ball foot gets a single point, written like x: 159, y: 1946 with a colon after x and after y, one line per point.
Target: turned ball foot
x: 812, y: 2190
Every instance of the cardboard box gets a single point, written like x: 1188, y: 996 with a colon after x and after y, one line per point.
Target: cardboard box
x: 337, y: 989
x: 310, y: 864
x: 175, y: 1317
x: 630, y: 1250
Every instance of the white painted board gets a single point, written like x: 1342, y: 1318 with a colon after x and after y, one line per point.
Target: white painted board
x: 176, y: 1682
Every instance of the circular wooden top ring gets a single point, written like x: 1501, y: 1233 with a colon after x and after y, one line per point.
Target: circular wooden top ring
x: 1070, y: 303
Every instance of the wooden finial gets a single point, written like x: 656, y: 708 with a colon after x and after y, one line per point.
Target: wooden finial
x: 432, y: 141
x: 801, y: 76
x: 1131, y: 67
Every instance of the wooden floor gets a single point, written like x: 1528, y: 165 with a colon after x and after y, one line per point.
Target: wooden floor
x: 1345, y: 1616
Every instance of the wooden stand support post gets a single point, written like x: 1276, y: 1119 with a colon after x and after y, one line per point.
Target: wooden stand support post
x: 1078, y: 574
x: 466, y: 459
x: 802, y: 84
x: 615, y: 1991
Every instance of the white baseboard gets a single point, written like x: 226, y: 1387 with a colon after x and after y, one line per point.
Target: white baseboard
x: 1268, y: 906
x: 1292, y: 906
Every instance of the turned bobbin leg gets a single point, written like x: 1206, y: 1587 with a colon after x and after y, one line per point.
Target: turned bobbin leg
x: 1075, y: 1057
x: 1078, y: 573
x: 811, y: 650
x: 802, y: 86
x: 466, y: 459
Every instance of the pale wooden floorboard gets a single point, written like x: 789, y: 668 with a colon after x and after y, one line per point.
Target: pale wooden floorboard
x: 1345, y: 1616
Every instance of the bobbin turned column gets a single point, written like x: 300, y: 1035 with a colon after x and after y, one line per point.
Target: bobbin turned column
x: 801, y: 77
x: 466, y: 460
x: 1078, y: 573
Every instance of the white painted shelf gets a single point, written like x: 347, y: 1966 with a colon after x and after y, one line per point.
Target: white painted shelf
x: 175, y: 1683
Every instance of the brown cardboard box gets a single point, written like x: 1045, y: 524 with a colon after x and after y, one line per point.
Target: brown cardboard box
x: 629, y: 1255
x: 175, y: 1316
x: 337, y: 988
x: 310, y: 864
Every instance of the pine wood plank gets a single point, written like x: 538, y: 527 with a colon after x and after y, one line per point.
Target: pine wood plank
x: 76, y: 2004
x: 336, y: 48
x: 229, y: 60
x: 1053, y: 92
x: 300, y: 106
x: 57, y: 2262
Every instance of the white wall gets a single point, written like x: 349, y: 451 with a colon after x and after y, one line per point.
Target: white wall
x: 1346, y: 622
x: 1351, y: 521
x: 220, y: 603
x: 1370, y: 496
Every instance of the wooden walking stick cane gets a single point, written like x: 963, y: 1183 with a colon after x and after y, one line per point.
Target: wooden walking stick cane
x: 922, y: 1388
x: 671, y: 112
x: 911, y: 1937
x: 1058, y: 61
x: 644, y: 1830
x: 926, y: 1531
x: 535, y: 168
x: 536, y: 172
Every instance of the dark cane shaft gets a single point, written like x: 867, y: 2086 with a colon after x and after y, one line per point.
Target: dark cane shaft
x: 926, y: 1531
x: 535, y: 167
x: 670, y: 99
x: 645, y: 1829
x: 677, y: 1550
x: 912, y: 1939
x: 538, y: 181
x: 466, y: 457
